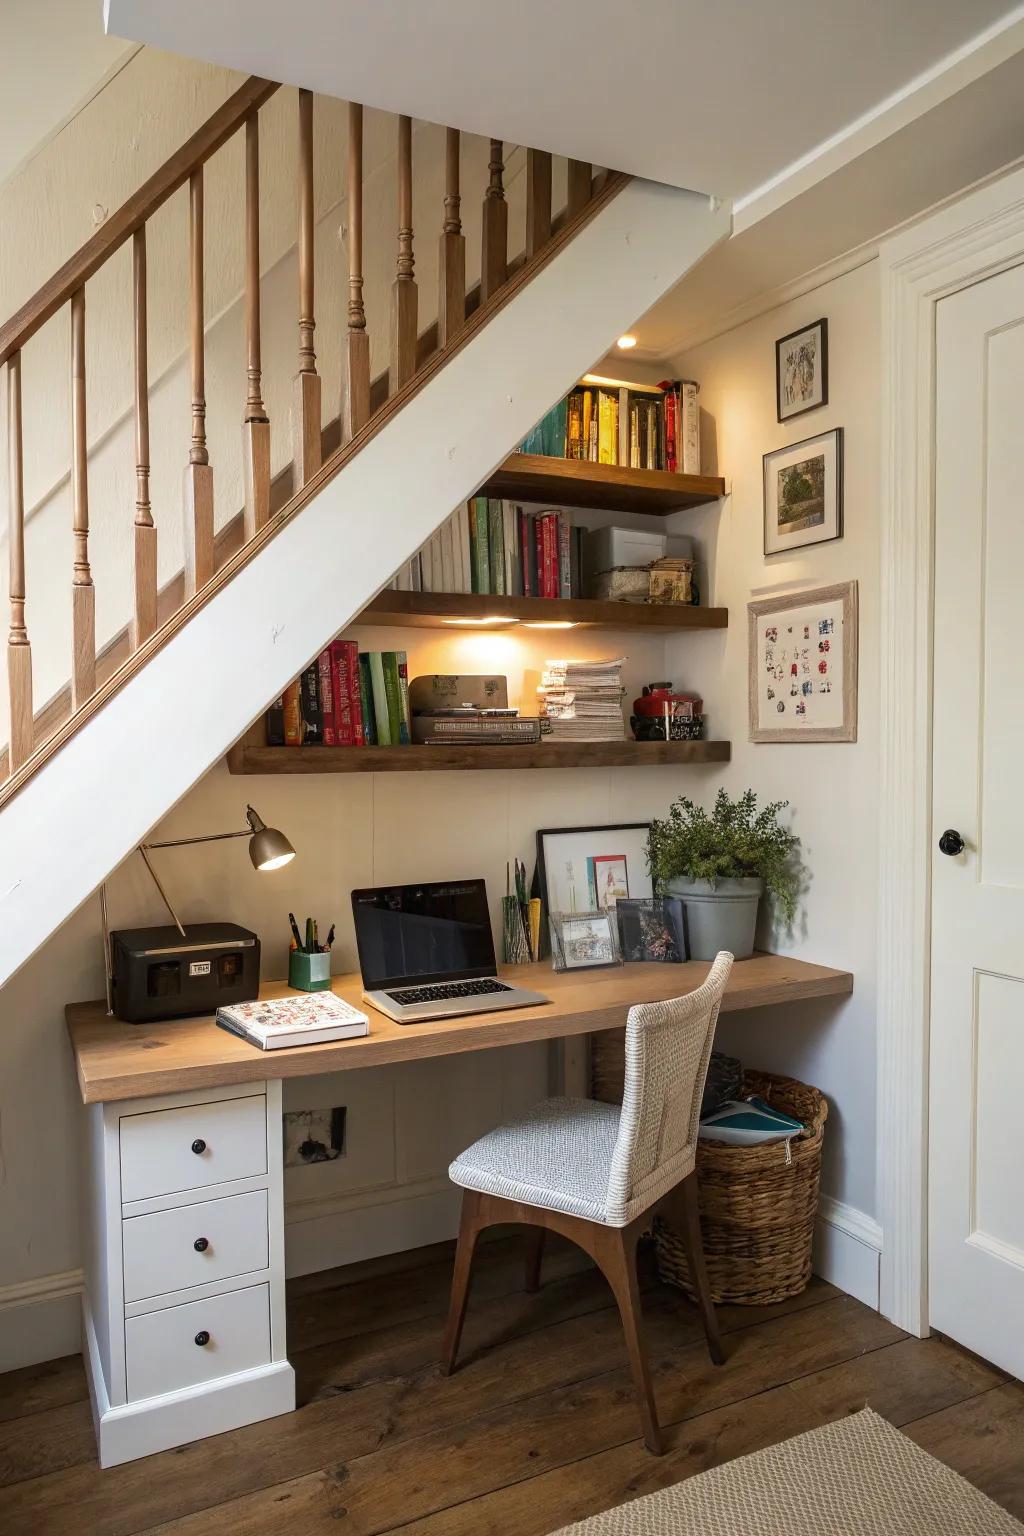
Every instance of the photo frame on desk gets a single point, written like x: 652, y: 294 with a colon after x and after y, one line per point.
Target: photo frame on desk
x: 587, y: 869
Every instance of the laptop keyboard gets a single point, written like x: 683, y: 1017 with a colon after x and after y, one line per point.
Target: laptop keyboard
x: 440, y: 991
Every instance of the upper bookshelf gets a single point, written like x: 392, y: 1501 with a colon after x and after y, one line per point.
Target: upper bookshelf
x: 611, y: 487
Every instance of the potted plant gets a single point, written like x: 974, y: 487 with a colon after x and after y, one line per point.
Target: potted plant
x: 721, y: 865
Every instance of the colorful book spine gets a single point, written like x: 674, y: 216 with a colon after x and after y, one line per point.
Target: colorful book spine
x: 495, y: 547
x: 323, y: 669
x: 343, y: 733
x: 366, y: 701
x: 483, y: 557
x: 378, y: 689
x: 405, y: 713
x: 393, y: 696
x: 527, y: 553
x: 312, y: 720
x: 355, y: 703
x: 565, y: 532
x: 293, y: 715
x: 275, y: 723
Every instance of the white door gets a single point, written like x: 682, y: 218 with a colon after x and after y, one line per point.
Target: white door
x: 976, y: 1098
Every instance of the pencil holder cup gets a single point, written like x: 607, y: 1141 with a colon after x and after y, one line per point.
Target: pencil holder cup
x: 309, y: 973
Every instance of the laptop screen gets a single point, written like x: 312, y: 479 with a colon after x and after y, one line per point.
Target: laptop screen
x: 407, y: 934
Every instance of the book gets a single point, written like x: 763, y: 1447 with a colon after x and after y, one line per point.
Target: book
x: 378, y: 691
x: 278, y: 1024
x: 405, y: 714
x: 528, y: 553
x: 355, y: 704
x: 495, y: 547
x: 689, y: 428
x: 275, y: 723
x: 293, y: 715
x: 323, y: 668
x: 344, y: 735
x: 510, y: 550
x: 366, y: 701
x: 482, y: 559
x: 565, y: 533
x: 607, y: 427
x: 309, y: 700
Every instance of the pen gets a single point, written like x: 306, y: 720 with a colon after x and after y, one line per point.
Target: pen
x: 309, y: 945
x: 295, y: 930
x: 330, y: 938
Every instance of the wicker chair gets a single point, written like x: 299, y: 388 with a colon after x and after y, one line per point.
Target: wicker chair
x: 598, y: 1174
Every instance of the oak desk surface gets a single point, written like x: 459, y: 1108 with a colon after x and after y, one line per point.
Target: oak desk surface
x: 133, y: 1061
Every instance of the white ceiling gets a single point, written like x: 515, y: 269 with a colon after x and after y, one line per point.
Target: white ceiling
x: 53, y: 58
x: 721, y: 97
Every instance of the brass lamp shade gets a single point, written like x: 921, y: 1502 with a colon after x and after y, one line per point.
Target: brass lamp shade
x: 268, y: 848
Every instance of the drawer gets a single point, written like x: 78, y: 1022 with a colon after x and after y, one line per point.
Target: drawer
x: 169, y: 1150
x: 161, y: 1352
x: 211, y: 1240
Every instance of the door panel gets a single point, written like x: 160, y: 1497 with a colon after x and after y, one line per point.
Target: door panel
x: 976, y: 1128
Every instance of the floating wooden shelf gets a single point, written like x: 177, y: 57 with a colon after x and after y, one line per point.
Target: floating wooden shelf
x: 436, y: 610
x: 579, y: 483
x: 546, y: 754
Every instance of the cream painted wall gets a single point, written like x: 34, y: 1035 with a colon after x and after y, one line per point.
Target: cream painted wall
x: 50, y: 207
x: 833, y: 787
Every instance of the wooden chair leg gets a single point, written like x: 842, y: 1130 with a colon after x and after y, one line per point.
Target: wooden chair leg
x: 616, y: 1256
x: 534, y: 1257
x: 689, y: 1211
x: 470, y: 1227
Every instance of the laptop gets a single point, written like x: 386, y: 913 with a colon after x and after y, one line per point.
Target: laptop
x: 426, y: 952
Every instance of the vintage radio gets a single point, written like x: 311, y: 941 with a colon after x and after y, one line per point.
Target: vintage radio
x: 157, y: 974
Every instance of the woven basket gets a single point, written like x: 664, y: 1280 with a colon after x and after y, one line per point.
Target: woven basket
x: 757, y: 1210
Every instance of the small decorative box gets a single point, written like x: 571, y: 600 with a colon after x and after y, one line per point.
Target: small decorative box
x: 309, y: 973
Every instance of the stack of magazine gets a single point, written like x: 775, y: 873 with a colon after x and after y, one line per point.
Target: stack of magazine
x: 582, y: 700
x: 313, y: 1018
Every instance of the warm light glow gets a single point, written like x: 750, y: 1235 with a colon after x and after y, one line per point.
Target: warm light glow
x: 276, y: 863
x: 550, y: 624
x: 625, y: 342
x: 494, y: 618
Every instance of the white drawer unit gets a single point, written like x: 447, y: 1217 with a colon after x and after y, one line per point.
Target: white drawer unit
x: 197, y: 1342
x: 195, y: 1244
x: 171, y: 1150
x: 184, y: 1278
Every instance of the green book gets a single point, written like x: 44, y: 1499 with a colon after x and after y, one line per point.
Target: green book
x: 482, y: 564
x: 405, y: 723
x: 393, y: 694
x: 474, y: 569
x: 496, y: 546
x: 378, y: 688
x: 366, y: 700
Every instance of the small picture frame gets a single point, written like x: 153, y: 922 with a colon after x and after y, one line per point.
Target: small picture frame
x: 651, y: 929
x: 802, y: 665
x: 801, y: 371
x: 803, y: 493
x: 584, y: 941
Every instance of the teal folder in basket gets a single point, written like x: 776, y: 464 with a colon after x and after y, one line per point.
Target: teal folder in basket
x: 749, y: 1122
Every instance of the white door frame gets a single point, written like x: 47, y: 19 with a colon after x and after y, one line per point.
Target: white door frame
x: 973, y: 238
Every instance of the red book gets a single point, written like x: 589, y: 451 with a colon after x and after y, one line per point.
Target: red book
x: 323, y: 667
x: 358, y: 729
x: 551, y: 555
x: 344, y: 736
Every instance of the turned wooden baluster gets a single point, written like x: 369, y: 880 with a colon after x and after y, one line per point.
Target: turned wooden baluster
x: 144, y: 615
x: 451, y: 265
x: 538, y: 200
x: 307, y: 409
x: 83, y: 593
x: 494, y: 253
x: 356, y: 365
x: 19, y: 652
x: 198, y: 471
x: 580, y: 172
x: 256, y: 424
x: 404, y: 301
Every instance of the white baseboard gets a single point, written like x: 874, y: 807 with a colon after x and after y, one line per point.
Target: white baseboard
x: 40, y: 1319
x: 848, y: 1250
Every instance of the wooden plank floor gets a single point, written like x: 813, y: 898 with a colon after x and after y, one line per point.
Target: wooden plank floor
x: 537, y: 1429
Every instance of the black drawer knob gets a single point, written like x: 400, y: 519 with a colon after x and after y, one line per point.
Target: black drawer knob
x: 202, y: 1337
x: 198, y: 1146
x: 951, y: 843
x: 201, y: 1244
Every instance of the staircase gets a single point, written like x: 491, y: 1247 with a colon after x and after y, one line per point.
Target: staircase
x: 147, y: 711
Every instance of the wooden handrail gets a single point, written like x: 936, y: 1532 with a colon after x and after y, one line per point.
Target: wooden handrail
x: 133, y: 214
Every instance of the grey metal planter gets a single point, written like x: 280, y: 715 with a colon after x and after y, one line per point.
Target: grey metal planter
x: 722, y: 916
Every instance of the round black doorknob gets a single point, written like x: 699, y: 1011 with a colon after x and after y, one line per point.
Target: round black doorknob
x: 951, y: 843
x: 199, y: 1145
x: 202, y: 1337
x: 201, y: 1244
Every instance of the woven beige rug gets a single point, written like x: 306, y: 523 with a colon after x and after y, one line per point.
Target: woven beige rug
x: 859, y: 1477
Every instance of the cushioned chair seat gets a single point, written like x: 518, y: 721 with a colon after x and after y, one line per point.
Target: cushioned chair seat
x: 558, y: 1155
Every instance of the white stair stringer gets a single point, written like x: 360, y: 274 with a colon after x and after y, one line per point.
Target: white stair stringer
x: 86, y: 808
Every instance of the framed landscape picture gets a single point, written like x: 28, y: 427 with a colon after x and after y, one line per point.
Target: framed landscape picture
x: 803, y: 493
x: 801, y: 371
x: 802, y: 665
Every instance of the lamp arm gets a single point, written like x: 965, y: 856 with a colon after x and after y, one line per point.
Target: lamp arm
x: 209, y: 837
x: 143, y: 849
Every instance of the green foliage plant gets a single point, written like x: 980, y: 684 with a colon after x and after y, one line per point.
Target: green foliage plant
x: 736, y: 841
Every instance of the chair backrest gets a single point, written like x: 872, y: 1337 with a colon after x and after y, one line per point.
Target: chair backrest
x: 668, y: 1046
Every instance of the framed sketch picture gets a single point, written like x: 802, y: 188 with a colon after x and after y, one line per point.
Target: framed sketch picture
x: 803, y: 493
x: 801, y: 371
x: 588, y: 869
x: 581, y: 941
x: 802, y: 665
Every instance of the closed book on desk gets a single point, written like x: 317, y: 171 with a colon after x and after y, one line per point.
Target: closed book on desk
x: 313, y: 1019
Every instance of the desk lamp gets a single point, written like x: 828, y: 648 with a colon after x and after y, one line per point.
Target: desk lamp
x: 268, y: 849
